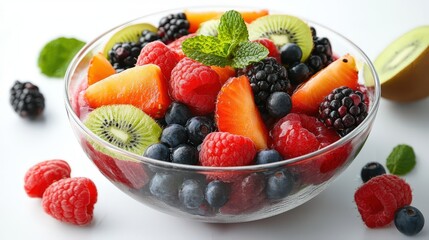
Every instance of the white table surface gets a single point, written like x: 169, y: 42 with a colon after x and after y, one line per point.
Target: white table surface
x: 25, y: 26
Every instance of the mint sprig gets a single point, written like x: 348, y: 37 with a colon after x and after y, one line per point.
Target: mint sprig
x: 231, y: 47
x: 401, y: 160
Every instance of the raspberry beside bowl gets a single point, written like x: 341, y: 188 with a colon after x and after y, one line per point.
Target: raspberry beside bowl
x: 158, y: 184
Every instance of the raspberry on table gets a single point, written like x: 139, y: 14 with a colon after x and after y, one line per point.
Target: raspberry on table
x: 379, y: 198
x: 27, y: 100
x: 71, y: 200
x: 39, y: 177
x: 196, y: 85
x: 159, y: 54
x: 223, y: 149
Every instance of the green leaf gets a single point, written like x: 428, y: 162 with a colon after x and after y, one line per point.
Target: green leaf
x: 57, y: 54
x: 247, y: 53
x: 207, y: 50
x: 232, y: 28
x: 401, y: 160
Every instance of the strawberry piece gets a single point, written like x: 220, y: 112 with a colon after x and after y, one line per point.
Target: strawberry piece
x: 99, y: 68
x: 307, y: 97
x: 247, y: 194
x: 142, y: 86
x: 272, y: 48
x: 222, y: 149
x: 379, y: 198
x: 42, y: 175
x: 237, y: 113
x: 159, y: 54
x: 176, y: 45
x: 71, y: 200
x: 196, y: 85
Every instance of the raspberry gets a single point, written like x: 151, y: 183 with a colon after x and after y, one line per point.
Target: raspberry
x: 159, y: 54
x: 196, y: 85
x: 43, y: 174
x: 298, y: 134
x: 379, y: 198
x: 222, y: 149
x: 246, y: 195
x: 71, y: 200
x: 272, y: 48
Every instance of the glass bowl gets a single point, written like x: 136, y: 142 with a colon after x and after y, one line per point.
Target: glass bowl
x: 157, y: 184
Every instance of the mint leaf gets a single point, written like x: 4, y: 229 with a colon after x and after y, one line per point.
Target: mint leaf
x: 232, y: 28
x: 56, y: 55
x: 401, y: 160
x: 247, y: 53
x: 207, y: 50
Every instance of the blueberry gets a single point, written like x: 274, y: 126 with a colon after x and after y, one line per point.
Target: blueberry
x: 158, y: 151
x: 198, y: 128
x: 371, y: 170
x: 409, y: 220
x: 165, y: 186
x: 290, y: 53
x: 267, y: 156
x: 173, y: 135
x: 191, y: 194
x: 279, y: 184
x: 177, y: 113
x: 279, y: 104
x: 298, y: 73
x: 217, y: 193
x: 185, y: 154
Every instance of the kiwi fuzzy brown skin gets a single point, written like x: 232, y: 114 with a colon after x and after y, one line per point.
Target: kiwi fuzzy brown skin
x: 411, y: 84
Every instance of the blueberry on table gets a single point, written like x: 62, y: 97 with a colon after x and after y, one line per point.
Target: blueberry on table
x: 191, y: 194
x: 370, y: 170
x: 279, y: 184
x: 185, y: 154
x: 409, y: 220
x: 198, y: 128
x: 177, y: 113
x: 173, y: 135
x: 267, y: 156
x: 217, y: 193
x: 158, y: 151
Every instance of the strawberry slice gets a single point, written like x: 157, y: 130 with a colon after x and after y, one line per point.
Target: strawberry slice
x: 237, y: 113
x: 308, y: 96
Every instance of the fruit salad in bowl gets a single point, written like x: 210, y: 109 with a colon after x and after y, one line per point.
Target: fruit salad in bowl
x: 221, y: 115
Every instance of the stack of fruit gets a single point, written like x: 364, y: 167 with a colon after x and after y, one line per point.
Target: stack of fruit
x: 220, y: 90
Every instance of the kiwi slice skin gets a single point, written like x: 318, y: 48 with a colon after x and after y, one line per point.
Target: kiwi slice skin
x: 209, y: 28
x: 124, y: 126
x: 403, y: 67
x: 131, y: 33
x: 282, y: 29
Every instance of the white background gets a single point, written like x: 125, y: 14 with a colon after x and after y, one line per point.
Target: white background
x: 25, y: 26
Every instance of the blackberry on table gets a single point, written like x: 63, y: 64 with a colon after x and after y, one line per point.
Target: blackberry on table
x: 124, y: 55
x: 172, y: 27
x: 343, y: 109
x: 266, y: 77
x: 26, y: 99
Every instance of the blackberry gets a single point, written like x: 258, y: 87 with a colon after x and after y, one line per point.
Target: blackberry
x: 343, y: 109
x: 124, y: 55
x: 266, y: 77
x: 321, y: 55
x: 147, y: 37
x: 26, y: 99
x: 172, y: 27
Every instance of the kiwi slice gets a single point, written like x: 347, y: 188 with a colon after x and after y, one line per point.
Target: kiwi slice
x: 403, y: 67
x: 282, y: 29
x: 131, y: 33
x: 209, y: 28
x: 124, y: 126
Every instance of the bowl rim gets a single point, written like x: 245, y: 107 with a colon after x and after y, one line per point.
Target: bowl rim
x: 89, y: 47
